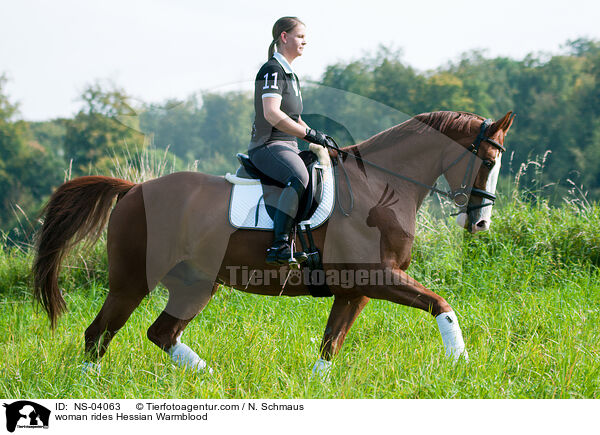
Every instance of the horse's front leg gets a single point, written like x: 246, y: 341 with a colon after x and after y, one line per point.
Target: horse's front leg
x: 343, y: 313
x: 403, y: 289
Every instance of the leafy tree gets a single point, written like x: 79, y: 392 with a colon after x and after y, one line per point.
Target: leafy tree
x: 27, y: 169
x: 50, y: 135
x: 96, y: 135
x: 225, y: 128
x: 445, y: 91
x: 177, y: 125
x: 209, y: 132
x: 397, y: 85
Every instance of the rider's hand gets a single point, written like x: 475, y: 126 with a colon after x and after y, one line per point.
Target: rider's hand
x: 315, y: 136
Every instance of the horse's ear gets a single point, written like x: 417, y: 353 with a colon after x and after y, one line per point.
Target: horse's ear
x: 509, y: 122
x: 503, y: 123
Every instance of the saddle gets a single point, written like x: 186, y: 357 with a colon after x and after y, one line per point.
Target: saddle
x: 313, y: 193
x: 254, y: 194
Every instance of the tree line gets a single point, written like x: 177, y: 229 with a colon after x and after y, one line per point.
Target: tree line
x: 556, y: 98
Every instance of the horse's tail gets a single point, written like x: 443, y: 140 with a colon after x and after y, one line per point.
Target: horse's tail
x: 77, y: 209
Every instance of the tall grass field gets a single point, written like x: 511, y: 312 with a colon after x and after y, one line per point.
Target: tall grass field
x: 527, y: 294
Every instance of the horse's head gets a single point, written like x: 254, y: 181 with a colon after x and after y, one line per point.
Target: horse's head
x: 473, y: 180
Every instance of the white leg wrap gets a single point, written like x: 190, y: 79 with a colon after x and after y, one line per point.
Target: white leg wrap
x: 452, y: 336
x: 187, y: 358
x: 321, y: 368
x: 90, y: 367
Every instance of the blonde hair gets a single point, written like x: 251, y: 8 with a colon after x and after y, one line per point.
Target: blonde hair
x: 284, y: 24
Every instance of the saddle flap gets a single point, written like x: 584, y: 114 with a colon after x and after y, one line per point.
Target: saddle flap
x: 314, y: 191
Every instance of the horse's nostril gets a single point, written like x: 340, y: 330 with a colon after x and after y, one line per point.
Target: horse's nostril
x: 482, y: 224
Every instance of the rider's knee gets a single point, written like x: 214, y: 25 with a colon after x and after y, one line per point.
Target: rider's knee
x: 298, y: 182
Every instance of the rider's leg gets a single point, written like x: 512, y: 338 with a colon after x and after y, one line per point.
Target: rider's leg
x: 280, y: 161
x: 283, y: 220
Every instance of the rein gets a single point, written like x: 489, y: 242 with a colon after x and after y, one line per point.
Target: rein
x: 460, y: 197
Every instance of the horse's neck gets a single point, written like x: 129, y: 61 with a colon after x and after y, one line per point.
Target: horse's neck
x: 414, y: 157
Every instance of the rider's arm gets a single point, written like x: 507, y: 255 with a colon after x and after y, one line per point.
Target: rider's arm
x: 278, y: 119
x: 301, y: 122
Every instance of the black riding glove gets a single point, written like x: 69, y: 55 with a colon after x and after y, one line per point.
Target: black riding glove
x: 317, y: 137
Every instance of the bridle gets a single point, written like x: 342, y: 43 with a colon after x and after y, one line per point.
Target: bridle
x: 460, y: 196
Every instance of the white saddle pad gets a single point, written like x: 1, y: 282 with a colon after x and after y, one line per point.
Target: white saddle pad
x: 246, y: 194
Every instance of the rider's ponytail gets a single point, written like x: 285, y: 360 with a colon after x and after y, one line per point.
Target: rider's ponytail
x: 271, y: 49
x: 284, y: 24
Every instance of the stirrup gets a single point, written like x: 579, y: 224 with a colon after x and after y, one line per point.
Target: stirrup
x: 298, y: 258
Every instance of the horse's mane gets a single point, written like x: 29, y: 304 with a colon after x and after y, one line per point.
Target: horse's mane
x: 442, y: 121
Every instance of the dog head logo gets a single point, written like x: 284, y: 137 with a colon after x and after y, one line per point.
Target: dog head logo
x: 26, y: 414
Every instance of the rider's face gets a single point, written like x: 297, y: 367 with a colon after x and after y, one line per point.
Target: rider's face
x: 294, y: 41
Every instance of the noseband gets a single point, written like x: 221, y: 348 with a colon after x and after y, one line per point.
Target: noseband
x: 460, y: 196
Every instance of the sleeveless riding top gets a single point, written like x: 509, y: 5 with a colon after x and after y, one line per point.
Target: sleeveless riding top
x: 275, y: 79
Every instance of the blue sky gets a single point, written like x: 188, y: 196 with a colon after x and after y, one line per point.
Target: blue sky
x: 158, y: 49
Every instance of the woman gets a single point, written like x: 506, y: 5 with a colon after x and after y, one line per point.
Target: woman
x: 274, y: 148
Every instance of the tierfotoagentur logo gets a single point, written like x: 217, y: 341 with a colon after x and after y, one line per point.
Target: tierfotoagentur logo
x: 346, y: 278
x: 26, y: 415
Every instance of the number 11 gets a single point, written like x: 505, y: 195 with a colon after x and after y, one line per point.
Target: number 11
x: 274, y: 85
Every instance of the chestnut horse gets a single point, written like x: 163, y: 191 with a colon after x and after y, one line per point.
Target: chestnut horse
x: 175, y: 230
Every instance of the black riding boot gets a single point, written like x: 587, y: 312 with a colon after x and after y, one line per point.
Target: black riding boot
x: 280, y: 251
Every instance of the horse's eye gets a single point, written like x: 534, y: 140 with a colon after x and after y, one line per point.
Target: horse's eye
x: 489, y: 164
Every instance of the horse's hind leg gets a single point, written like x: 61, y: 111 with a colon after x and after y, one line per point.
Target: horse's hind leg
x: 166, y: 332
x: 186, y: 302
x: 113, y: 315
x: 128, y: 287
x: 126, y: 245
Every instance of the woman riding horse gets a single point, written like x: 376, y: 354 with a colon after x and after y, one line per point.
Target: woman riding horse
x: 174, y: 230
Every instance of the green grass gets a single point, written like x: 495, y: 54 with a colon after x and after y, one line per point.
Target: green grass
x: 527, y: 294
